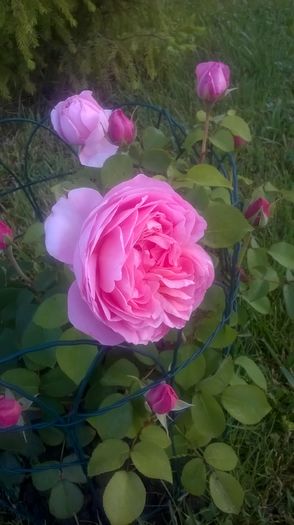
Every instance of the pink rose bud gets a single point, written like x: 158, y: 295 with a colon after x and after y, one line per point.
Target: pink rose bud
x: 122, y: 130
x: 239, y: 142
x: 213, y: 80
x: 81, y: 121
x: 6, y: 233
x: 258, y: 212
x: 162, y: 398
x: 10, y: 411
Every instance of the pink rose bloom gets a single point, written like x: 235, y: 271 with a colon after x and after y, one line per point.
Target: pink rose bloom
x: 162, y: 398
x: 258, y: 212
x: 81, y: 121
x: 122, y: 130
x: 138, y: 270
x: 10, y: 412
x: 213, y: 80
x: 5, y: 232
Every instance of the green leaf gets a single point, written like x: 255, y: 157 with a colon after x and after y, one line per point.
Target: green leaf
x: 237, y: 126
x: 283, y: 253
x: 223, y: 140
x: 155, y: 434
x: 196, y: 437
x: 52, y: 313
x: 196, y: 135
x: 253, y: 371
x: 34, y: 233
x: 208, y: 415
x: 9, y: 461
x: 214, y: 300
x: 226, y: 225
x: 206, y: 326
x: 261, y: 305
x: 148, y: 349
x: 221, y: 456
x: 256, y: 258
x: 258, y: 288
x: 75, y: 361
x: 216, y: 383
x: 45, y: 479
x: 124, y: 498
x: 221, y: 194
x: 207, y: 175
x: 108, y: 456
x: 194, y: 477
x: 56, y: 384
x: 288, y: 292
x: 116, y: 422
x: 246, y: 403
x: 154, y: 138
x: 156, y: 160
x: 119, y: 374
x: 226, y: 492
x: 25, y: 379
x: 35, y: 335
x: 51, y: 436
x: 65, y: 500
x: 73, y: 473
x: 193, y: 373
x: 115, y: 169
x: 152, y: 461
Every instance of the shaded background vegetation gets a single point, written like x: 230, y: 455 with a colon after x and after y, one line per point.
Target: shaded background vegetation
x: 123, y: 50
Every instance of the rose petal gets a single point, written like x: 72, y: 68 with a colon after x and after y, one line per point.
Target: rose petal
x: 84, y: 320
x: 96, y: 150
x: 63, y: 226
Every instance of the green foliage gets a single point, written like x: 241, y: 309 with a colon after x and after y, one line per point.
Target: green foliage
x: 124, y: 498
x: 91, y: 42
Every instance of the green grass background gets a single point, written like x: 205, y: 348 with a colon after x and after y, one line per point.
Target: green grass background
x: 256, y: 38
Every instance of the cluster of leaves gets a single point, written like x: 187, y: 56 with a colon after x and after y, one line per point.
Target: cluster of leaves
x: 90, y: 41
x: 124, y: 448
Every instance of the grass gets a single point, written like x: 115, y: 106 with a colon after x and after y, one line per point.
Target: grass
x: 256, y: 39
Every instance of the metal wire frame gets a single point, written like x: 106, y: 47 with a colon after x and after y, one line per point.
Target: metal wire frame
x: 69, y: 423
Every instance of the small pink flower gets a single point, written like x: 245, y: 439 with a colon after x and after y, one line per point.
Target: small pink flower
x: 239, y: 142
x: 81, y: 121
x: 258, y: 212
x: 122, y: 130
x: 6, y: 233
x: 139, y: 270
x: 10, y: 412
x: 213, y: 80
x: 162, y: 399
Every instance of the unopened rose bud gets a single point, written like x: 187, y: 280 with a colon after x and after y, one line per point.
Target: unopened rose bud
x: 258, y: 212
x: 213, y: 80
x: 6, y: 234
x: 162, y: 398
x: 122, y: 130
x: 10, y: 412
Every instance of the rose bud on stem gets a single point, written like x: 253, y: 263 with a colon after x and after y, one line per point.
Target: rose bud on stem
x: 122, y: 130
x: 258, y: 212
x: 212, y: 83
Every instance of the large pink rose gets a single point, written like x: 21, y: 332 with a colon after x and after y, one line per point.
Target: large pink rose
x: 81, y: 121
x: 138, y: 270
